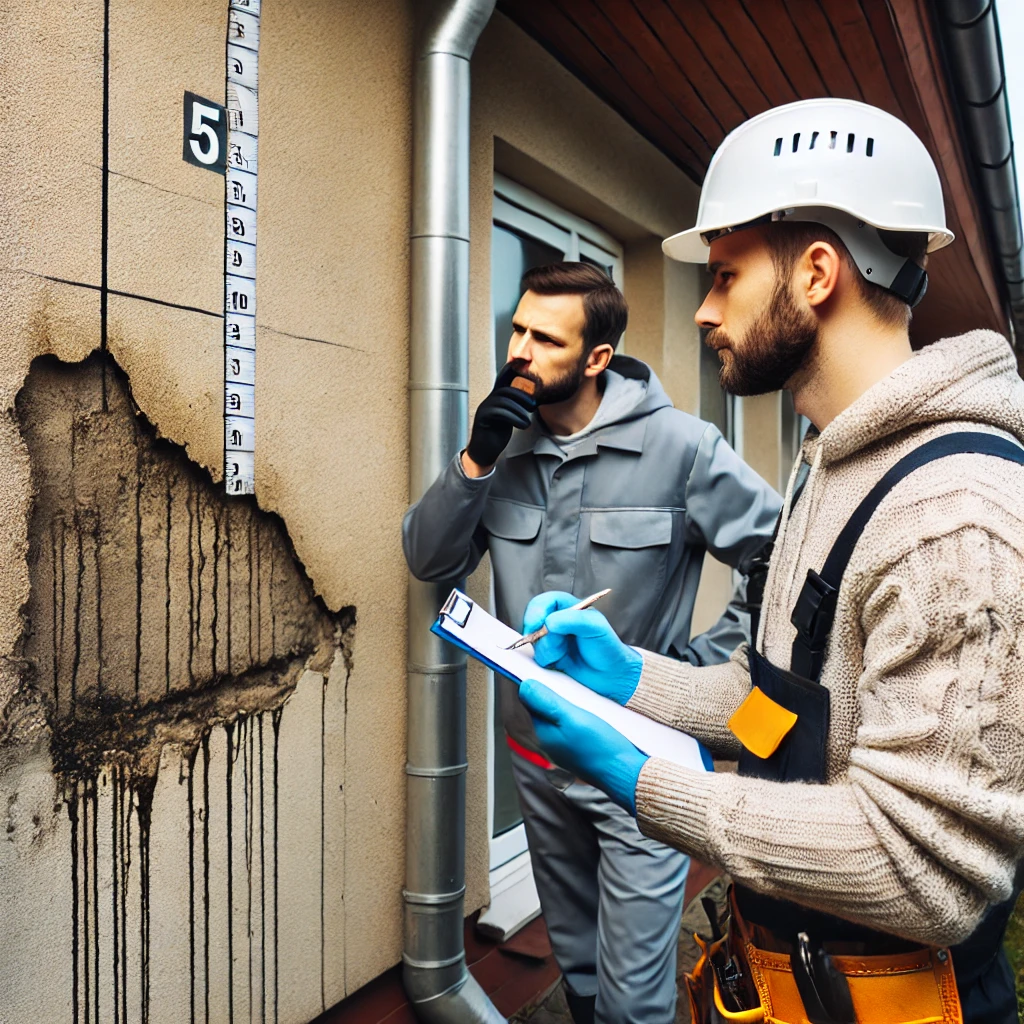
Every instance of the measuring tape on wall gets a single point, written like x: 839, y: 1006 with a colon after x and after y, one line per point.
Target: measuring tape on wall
x: 240, y: 247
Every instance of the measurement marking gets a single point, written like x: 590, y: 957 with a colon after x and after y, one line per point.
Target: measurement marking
x: 240, y: 194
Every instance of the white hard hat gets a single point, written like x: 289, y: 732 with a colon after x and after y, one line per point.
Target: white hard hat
x: 844, y: 164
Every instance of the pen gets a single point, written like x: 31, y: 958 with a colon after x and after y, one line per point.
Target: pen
x: 532, y: 638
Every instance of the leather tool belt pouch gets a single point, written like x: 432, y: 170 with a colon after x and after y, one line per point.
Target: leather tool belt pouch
x: 735, y: 980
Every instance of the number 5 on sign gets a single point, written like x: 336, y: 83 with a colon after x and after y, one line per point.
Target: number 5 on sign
x: 206, y: 133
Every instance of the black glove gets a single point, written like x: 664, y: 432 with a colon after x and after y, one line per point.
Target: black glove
x: 503, y: 409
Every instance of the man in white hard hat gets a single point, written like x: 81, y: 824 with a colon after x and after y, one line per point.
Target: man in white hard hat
x: 876, y: 824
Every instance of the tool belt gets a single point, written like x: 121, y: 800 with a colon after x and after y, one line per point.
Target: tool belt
x: 741, y: 978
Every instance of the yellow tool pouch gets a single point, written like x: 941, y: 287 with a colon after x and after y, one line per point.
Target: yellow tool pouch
x: 915, y: 987
x: 903, y: 988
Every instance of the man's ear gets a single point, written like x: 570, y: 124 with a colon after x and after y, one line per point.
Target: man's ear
x: 818, y: 272
x: 598, y: 359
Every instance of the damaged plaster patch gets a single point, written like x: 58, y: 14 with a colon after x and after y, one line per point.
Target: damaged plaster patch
x: 166, y: 625
x: 158, y: 606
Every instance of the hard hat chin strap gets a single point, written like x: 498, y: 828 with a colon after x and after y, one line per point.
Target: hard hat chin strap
x: 875, y: 260
x: 910, y: 284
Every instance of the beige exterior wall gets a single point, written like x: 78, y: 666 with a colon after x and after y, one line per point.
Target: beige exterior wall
x: 334, y: 181
x: 275, y: 773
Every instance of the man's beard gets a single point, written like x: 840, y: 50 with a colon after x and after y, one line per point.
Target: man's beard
x: 772, y: 350
x: 561, y: 389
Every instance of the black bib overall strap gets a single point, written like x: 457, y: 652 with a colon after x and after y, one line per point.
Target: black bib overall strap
x: 984, y: 980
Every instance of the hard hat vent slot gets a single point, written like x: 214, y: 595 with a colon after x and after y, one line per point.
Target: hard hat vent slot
x: 851, y: 142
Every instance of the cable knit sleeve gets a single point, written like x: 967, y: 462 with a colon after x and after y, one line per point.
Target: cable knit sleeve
x: 695, y: 700
x: 919, y: 832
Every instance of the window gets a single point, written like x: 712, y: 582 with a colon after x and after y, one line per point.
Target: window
x: 527, y: 231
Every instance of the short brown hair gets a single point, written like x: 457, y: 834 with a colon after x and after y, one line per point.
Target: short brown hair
x: 604, y: 308
x: 788, y: 240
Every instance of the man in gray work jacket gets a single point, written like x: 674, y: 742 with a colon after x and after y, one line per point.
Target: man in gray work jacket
x: 606, y: 486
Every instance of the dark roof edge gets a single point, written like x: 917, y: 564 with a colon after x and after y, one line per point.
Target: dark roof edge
x: 973, y: 54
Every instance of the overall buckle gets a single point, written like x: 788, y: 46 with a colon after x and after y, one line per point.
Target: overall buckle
x: 813, y: 615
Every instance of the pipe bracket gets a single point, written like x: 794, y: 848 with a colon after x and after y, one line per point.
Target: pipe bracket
x: 437, y: 773
x: 433, y: 899
x: 432, y: 965
x: 435, y: 670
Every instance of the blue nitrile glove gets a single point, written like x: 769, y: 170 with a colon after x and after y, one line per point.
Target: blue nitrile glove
x: 583, y: 744
x: 583, y: 645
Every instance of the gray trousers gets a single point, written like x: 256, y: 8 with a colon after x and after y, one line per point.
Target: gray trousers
x: 611, y: 897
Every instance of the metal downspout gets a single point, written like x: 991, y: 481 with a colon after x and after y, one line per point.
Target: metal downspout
x: 434, y: 970
x: 974, y: 59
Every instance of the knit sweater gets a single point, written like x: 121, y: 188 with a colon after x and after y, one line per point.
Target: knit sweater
x: 920, y: 822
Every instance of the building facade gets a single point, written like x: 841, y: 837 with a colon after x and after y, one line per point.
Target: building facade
x: 202, y: 694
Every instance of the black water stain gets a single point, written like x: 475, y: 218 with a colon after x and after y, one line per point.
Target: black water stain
x: 323, y: 842
x: 125, y: 862
x: 96, y: 545
x: 87, y: 931
x: 206, y: 877
x: 144, y: 791
x: 191, y: 766
x: 167, y: 593
x: 215, y: 594
x: 138, y: 570
x: 76, y: 662
x: 72, y: 805
x: 229, y: 730
x: 115, y: 915
x: 275, y: 719
x: 263, y: 891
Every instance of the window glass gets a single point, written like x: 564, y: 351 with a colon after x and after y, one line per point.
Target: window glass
x: 512, y: 255
x: 606, y: 267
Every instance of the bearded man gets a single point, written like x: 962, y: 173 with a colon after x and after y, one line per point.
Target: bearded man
x: 592, y: 481
x: 875, y: 828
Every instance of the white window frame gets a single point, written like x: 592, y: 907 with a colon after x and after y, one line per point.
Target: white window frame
x: 514, y: 899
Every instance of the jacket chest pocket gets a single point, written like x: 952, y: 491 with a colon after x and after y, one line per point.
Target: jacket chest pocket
x: 510, y: 521
x: 630, y: 545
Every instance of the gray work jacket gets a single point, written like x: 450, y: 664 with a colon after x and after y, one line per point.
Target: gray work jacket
x: 634, y: 506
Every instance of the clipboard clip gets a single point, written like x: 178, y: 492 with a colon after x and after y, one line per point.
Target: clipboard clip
x: 458, y: 608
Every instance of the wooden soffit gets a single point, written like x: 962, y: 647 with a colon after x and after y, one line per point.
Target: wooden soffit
x: 684, y: 73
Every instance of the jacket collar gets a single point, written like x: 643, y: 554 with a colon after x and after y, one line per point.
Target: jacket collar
x: 627, y: 437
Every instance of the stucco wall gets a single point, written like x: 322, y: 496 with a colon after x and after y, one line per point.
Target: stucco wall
x: 305, y: 768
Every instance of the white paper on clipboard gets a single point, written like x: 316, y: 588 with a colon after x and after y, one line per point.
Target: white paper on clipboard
x: 468, y: 625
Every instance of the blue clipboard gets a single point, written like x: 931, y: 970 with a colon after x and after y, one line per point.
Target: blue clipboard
x: 459, y: 608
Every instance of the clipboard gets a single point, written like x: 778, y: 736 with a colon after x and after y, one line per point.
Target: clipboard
x: 465, y: 624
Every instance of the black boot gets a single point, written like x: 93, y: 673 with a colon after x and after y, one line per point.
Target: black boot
x: 581, y: 1007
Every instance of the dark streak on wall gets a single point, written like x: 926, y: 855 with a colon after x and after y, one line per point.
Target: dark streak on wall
x: 159, y: 610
